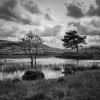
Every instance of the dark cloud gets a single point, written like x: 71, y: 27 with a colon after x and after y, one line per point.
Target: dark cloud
x: 6, y: 10
x: 49, y: 31
x: 24, y: 21
x: 32, y: 6
x: 74, y: 11
x: 94, y: 11
x: 11, y: 10
x: 83, y: 30
x: 98, y: 2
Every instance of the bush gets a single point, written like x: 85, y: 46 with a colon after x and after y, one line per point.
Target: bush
x: 95, y: 66
x: 67, y: 70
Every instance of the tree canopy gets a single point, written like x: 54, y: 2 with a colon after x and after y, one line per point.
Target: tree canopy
x: 30, y: 45
x: 72, y: 39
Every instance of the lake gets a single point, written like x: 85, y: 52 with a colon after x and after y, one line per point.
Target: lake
x: 49, y: 74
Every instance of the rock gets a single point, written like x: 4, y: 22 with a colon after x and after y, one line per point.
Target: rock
x: 33, y: 75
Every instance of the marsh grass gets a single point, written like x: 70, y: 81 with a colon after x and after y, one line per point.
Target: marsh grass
x: 81, y: 86
x: 15, y: 67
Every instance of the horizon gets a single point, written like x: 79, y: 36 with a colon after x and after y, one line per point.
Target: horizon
x: 50, y: 19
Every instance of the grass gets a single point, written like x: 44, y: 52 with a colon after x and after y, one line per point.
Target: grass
x: 81, y: 86
x: 39, y: 96
x: 14, y: 67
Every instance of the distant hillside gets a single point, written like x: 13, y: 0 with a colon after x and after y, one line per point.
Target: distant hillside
x: 6, y: 47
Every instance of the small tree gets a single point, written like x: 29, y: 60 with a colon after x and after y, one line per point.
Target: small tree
x: 72, y: 40
x: 30, y: 45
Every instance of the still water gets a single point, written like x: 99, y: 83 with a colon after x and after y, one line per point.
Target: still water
x: 49, y: 74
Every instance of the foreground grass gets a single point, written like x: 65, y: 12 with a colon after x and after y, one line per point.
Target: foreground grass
x: 81, y: 86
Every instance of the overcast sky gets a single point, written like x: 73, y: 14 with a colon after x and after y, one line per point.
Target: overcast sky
x: 50, y: 19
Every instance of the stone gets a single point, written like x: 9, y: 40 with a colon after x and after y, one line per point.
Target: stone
x: 33, y: 75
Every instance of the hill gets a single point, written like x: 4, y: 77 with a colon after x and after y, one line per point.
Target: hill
x: 7, y: 47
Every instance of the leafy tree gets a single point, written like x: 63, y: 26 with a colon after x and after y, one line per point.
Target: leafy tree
x: 30, y: 45
x: 72, y: 40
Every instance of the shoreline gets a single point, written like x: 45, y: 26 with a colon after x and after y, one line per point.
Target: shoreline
x: 19, y: 56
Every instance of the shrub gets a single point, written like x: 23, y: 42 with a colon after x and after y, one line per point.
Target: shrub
x: 95, y: 66
x: 67, y: 70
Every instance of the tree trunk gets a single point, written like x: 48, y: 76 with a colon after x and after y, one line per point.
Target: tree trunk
x: 32, y: 63
x: 35, y: 58
x: 77, y: 48
x: 77, y: 55
x: 35, y: 63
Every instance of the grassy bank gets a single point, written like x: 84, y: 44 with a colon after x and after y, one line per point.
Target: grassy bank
x: 82, y: 54
x: 16, y: 56
x: 81, y: 86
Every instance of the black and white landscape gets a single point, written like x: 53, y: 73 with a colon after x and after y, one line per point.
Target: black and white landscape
x: 49, y: 49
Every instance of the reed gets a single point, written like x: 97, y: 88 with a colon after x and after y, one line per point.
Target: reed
x: 15, y: 67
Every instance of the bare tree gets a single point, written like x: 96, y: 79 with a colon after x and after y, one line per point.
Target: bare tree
x: 30, y: 45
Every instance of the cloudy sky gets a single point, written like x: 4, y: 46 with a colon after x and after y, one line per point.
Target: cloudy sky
x: 50, y: 19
